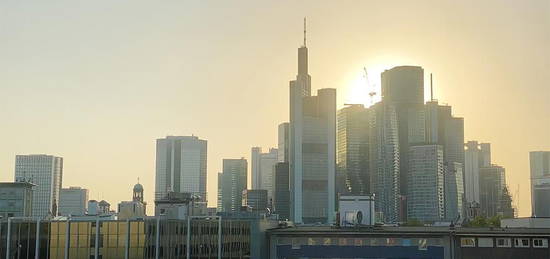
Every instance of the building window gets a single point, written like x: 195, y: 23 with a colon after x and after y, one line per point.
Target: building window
x: 540, y: 243
x: 485, y: 242
x: 504, y: 242
x: 521, y: 242
x: 467, y: 242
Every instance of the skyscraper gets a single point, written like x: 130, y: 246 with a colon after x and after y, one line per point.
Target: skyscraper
x: 454, y: 190
x: 475, y: 157
x: 540, y: 183
x: 255, y: 200
x: 403, y: 88
x: 425, y: 200
x: 312, y: 147
x: 281, y: 195
x: 263, y: 165
x: 283, y: 136
x: 231, y: 184
x: 73, y: 201
x: 352, y: 149
x: 443, y: 129
x: 181, y: 166
x: 46, y: 172
x: 492, y: 182
x: 384, y: 158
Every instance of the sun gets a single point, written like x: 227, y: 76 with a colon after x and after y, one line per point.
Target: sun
x: 364, y: 86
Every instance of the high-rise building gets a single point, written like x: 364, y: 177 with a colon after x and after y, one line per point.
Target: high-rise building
x: 443, y: 129
x: 475, y: 157
x: 231, y: 184
x: 283, y: 137
x: 454, y: 190
x: 540, y: 183
x: 403, y: 88
x: 73, y: 201
x: 46, y: 172
x: 492, y: 182
x: 181, y: 166
x: 352, y: 150
x: 16, y: 199
x: 255, y: 200
x: 312, y: 147
x: 384, y: 161
x: 263, y: 165
x: 426, y: 200
x: 281, y: 196
x: 403, y: 84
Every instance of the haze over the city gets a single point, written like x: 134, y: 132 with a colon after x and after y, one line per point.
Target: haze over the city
x: 98, y: 82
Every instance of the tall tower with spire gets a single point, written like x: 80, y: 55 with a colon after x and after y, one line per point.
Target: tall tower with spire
x: 312, y: 146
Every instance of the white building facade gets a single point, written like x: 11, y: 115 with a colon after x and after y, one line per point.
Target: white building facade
x: 181, y: 166
x: 73, y: 201
x: 426, y: 183
x: 263, y: 166
x: 46, y: 172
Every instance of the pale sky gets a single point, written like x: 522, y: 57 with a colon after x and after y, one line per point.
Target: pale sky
x: 96, y: 82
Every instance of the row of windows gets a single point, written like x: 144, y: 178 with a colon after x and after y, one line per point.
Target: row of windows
x: 504, y: 242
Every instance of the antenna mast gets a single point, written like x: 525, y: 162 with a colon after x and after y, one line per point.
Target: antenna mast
x: 304, y: 31
x: 431, y: 88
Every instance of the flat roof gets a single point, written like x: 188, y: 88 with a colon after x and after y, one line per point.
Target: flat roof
x: 391, y: 230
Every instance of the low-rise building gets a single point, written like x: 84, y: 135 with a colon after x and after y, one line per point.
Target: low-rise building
x: 16, y: 199
x: 73, y: 201
x: 407, y: 242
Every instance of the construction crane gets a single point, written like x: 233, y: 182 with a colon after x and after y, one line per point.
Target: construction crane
x: 372, y: 93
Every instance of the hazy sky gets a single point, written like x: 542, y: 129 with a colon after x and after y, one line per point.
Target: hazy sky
x: 96, y: 82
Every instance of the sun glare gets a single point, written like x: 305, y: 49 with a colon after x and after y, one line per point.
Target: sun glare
x: 364, y: 88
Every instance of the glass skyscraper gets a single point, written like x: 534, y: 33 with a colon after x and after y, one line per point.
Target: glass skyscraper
x: 181, y: 166
x: 46, y: 172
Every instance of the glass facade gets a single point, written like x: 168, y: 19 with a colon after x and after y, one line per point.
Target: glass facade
x: 124, y: 239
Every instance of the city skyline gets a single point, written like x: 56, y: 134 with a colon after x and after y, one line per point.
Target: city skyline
x: 93, y: 117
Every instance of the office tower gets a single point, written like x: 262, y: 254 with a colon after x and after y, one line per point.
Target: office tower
x: 281, y: 196
x: 255, y: 167
x: 403, y: 84
x: 16, y: 199
x: 454, y: 190
x: 262, y: 166
x: 425, y: 200
x: 231, y: 184
x: 505, y: 209
x: 73, y: 201
x: 312, y: 148
x: 283, y: 136
x: 492, y: 182
x: 46, y: 172
x: 540, y: 183
x: 384, y: 161
x: 352, y: 149
x: 255, y: 200
x: 444, y: 129
x: 403, y: 87
x: 181, y: 166
x: 475, y: 157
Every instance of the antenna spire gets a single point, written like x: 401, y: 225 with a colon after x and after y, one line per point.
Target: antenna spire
x: 431, y: 88
x: 304, y: 31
